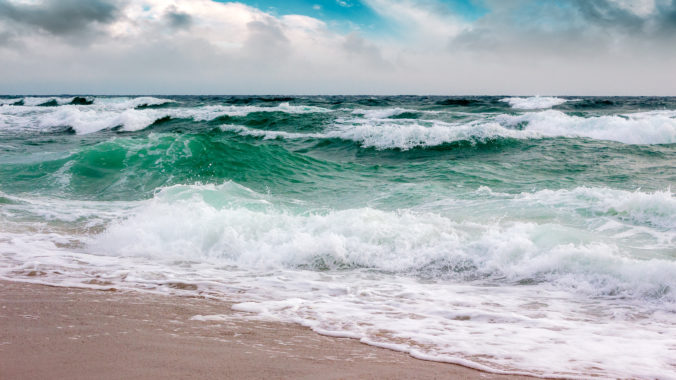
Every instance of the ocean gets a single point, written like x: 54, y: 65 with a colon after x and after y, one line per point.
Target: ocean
x: 532, y: 235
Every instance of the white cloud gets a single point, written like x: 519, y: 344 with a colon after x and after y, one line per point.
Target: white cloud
x: 642, y: 8
x: 226, y: 48
x: 429, y: 23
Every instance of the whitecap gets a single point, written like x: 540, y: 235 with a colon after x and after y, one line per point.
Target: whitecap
x: 535, y: 102
x: 656, y: 127
x: 107, y: 113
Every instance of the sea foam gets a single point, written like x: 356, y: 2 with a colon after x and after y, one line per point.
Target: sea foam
x: 249, y: 230
x: 107, y: 113
x: 654, y: 127
x: 638, y: 128
x: 535, y: 102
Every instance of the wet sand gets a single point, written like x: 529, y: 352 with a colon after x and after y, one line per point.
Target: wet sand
x: 72, y: 333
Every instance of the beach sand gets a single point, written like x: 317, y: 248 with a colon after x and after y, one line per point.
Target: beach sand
x: 72, y: 333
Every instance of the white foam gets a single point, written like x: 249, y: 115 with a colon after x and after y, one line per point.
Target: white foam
x: 406, y: 135
x: 656, y: 127
x: 127, y: 103
x: 85, y: 121
x: 657, y: 209
x: 373, y: 129
x: 9, y: 100
x: 488, y: 328
x: 402, y: 135
x: 250, y: 231
x: 36, y: 101
x: 107, y: 113
x: 519, y: 283
x: 382, y: 113
x: 267, y: 134
x: 382, y: 133
x: 534, y: 102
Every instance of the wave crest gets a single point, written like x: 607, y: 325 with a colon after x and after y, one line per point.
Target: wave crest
x: 654, y: 127
x: 535, y: 102
x: 128, y: 114
x: 657, y: 127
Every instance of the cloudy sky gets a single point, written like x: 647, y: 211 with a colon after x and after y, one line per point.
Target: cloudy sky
x: 557, y: 47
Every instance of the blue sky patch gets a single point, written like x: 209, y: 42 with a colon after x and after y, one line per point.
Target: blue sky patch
x: 350, y: 15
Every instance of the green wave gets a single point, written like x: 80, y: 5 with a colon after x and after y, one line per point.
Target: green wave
x: 127, y: 166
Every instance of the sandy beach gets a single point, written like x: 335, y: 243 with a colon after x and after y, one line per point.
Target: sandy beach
x: 71, y: 333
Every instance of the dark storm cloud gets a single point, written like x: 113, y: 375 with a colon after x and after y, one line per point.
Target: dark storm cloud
x: 565, y: 27
x: 668, y: 19
x: 611, y: 15
x: 59, y: 17
x: 608, y: 14
x: 178, y: 19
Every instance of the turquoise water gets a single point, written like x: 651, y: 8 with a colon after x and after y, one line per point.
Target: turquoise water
x: 453, y: 228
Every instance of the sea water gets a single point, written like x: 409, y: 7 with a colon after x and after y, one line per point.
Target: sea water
x: 532, y: 235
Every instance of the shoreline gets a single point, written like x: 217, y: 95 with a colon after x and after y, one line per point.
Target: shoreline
x: 76, y: 333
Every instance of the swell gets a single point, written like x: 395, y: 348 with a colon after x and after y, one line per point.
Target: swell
x: 134, y: 167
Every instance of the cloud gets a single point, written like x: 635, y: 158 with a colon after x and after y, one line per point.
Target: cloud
x: 178, y: 19
x: 266, y: 39
x: 426, y: 22
x: 59, y: 17
x: 370, y: 54
x: 201, y: 46
x: 210, y: 47
x: 581, y: 27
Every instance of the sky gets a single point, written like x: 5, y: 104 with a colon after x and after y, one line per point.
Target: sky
x: 435, y: 47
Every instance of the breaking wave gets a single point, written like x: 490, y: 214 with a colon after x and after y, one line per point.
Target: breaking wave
x: 233, y: 223
x: 125, y: 114
x: 535, y: 102
x: 381, y: 133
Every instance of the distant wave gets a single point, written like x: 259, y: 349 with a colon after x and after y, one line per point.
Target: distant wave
x: 143, y: 101
x: 38, y: 101
x: 640, y: 128
x: 462, y: 102
x: 382, y: 113
x: 379, y: 128
x: 535, y: 102
x: 114, y: 102
x: 108, y: 113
